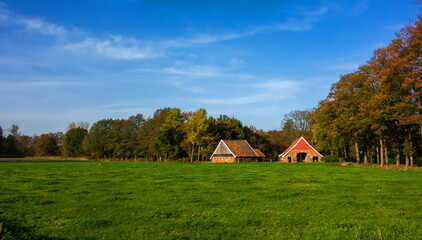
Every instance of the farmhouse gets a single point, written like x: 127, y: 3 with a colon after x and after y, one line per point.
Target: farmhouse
x: 300, y: 151
x: 236, y: 151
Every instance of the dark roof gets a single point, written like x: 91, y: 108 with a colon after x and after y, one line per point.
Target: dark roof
x: 240, y: 148
x: 257, y: 151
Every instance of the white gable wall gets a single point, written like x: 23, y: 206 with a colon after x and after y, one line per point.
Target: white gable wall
x: 222, y: 149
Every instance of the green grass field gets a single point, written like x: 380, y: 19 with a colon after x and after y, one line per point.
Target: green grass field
x: 128, y: 200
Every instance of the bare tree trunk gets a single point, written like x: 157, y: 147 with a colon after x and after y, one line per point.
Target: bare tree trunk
x: 199, y: 149
x: 411, y: 157
x: 193, y: 151
x: 398, y: 160
x: 372, y: 155
x: 378, y: 155
x: 365, y: 158
x: 420, y: 123
x: 381, y: 153
x: 357, y: 153
x: 386, y: 153
x: 345, y: 152
x: 407, y: 162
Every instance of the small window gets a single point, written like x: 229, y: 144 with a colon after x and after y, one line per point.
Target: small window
x: 215, y: 158
x: 231, y: 158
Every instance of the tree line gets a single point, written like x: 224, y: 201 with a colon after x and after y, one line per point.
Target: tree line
x: 170, y: 134
x: 373, y: 115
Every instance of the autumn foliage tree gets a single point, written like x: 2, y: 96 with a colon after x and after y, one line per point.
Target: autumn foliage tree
x: 375, y: 112
x: 47, y: 145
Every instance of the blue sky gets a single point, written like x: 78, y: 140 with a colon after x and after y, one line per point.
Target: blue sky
x: 65, y: 61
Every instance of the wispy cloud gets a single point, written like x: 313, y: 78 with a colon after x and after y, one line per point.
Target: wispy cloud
x: 279, y: 85
x: 40, y: 26
x: 131, y: 49
x: 4, y: 15
x: 394, y: 27
x: 41, y: 84
x: 127, y: 48
x: 303, y: 23
x: 186, y: 87
x: 197, y: 71
x: 271, y: 91
x: 31, y: 24
x: 360, y: 7
x: 354, y: 8
x: 114, y: 47
x: 237, y: 100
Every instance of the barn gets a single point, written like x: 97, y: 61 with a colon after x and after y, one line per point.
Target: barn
x: 300, y: 151
x: 236, y: 151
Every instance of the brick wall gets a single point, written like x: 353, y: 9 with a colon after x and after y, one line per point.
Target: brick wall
x: 293, y: 154
x: 228, y: 159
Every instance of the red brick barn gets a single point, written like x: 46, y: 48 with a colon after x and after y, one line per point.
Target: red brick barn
x: 236, y: 151
x: 300, y: 151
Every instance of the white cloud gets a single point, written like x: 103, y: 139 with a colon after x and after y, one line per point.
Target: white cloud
x: 271, y: 91
x: 234, y: 62
x: 41, y: 84
x: 360, y: 7
x: 131, y: 49
x: 114, y: 48
x: 192, y: 71
x: 40, y: 26
x: 291, y: 24
x: 4, y: 13
x: 237, y: 100
x: 279, y: 85
x: 204, y: 39
x: 3, y: 17
x: 303, y: 24
x: 394, y: 27
x: 186, y: 87
x: 31, y: 25
x: 197, y: 71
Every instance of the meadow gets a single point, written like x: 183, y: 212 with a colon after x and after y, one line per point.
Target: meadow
x: 130, y: 200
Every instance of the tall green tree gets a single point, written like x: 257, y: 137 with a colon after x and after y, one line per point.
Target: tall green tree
x: 98, y: 141
x: 170, y: 135
x: 228, y: 128
x: 198, y: 131
x: 147, y: 135
x: 73, y: 142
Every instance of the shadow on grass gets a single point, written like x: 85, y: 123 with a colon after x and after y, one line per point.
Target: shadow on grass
x: 14, y: 230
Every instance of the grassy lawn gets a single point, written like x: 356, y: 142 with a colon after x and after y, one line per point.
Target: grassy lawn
x: 127, y: 200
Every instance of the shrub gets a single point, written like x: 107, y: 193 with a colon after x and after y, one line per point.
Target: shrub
x: 330, y: 158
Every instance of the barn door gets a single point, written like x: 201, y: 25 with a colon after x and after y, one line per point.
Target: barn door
x: 301, y: 157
